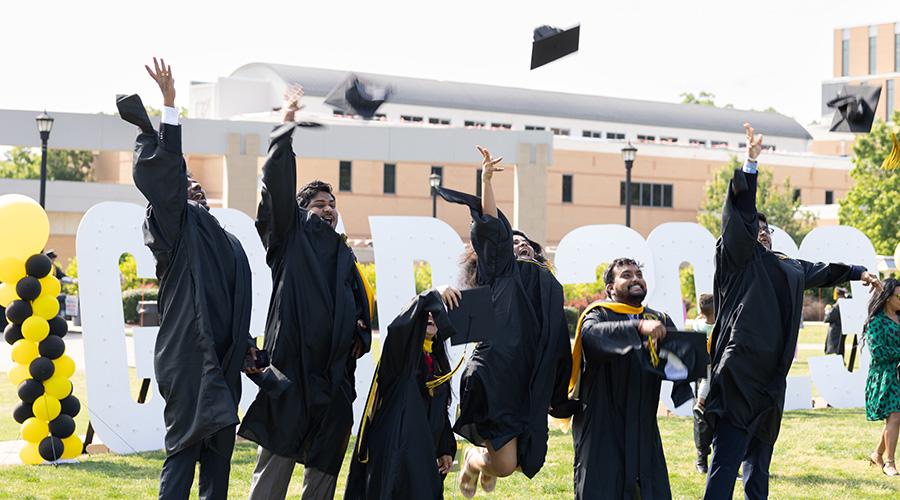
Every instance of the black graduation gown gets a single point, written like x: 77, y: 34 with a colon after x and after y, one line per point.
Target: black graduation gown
x: 204, y: 292
x: 403, y: 432
x: 615, y: 434
x: 834, y: 338
x: 758, y: 299
x: 317, y: 296
x: 512, y: 380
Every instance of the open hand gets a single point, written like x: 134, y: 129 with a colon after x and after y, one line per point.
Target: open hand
x: 488, y: 164
x: 451, y: 296
x: 165, y: 80
x: 291, y: 103
x: 871, y: 279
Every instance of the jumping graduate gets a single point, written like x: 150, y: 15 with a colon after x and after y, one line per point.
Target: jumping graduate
x: 758, y: 299
x: 618, y: 452
x: 204, y: 304
x: 405, y: 443
x: 512, y: 380
x: 318, y: 325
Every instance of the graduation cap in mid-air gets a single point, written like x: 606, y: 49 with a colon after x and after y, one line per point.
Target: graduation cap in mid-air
x: 854, y: 108
x: 552, y: 43
x: 358, y: 95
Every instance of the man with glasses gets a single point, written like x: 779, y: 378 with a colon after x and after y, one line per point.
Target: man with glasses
x: 758, y: 297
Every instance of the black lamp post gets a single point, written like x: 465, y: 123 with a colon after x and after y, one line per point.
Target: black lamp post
x: 44, y: 125
x: 435, y: 181
x: 628, y: 154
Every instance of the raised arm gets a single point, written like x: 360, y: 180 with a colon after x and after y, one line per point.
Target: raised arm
x: 488, y: 167
x: 739, y: 216
x: 279, y: 183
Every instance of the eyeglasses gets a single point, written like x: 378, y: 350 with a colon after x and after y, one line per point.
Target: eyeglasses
x: 767, y: 230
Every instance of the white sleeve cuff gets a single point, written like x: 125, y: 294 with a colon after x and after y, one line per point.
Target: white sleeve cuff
x: 170, y: 116
x: 749, y: 167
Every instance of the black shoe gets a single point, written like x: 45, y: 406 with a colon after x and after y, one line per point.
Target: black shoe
x: 702, y: 466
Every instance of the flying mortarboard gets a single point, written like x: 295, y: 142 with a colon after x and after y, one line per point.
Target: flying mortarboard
x: 358, y: 95
x: 854, y: 108
x: 551, y: 44
x: 473, y: 319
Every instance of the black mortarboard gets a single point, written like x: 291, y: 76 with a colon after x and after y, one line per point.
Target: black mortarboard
x: 854, y: 108
x: 358, y: 95
x: 551, y: 44
x: 473, y: 319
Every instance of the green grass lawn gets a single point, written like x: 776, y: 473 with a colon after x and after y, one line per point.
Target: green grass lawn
x: 820, y: 454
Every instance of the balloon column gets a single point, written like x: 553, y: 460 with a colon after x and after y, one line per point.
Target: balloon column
x: 40, y: 369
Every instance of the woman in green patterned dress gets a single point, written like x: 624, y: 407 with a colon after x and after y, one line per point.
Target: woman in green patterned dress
x: 882, y: 335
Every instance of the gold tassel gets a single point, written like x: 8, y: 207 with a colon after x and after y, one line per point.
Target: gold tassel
x: 893, y: 159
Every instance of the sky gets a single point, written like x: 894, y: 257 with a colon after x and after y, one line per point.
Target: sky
x: 76, y: 56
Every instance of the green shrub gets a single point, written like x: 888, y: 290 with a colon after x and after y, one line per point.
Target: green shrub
x: 130, y: 299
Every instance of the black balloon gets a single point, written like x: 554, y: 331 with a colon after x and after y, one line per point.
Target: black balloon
x: 18, y: 311
x: 62, y: 426
x: 70, y: 405
x: 38, y: 265
x: 28, y: 288
x: 52, y: 347
x: 22, y: 412
x: 41, y: 368
x: 29, y: 390
x: 51, y: 448
x: 12, y: 333
x: 58, y: 326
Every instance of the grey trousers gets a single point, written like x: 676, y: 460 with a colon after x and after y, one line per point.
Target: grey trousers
x: 272, y: 476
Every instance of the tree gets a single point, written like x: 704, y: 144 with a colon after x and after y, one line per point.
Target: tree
x: 151, y: 111
x: 704, y: 99
x: 777, y: 202
x: 872, y: 205
x: 62, y: 164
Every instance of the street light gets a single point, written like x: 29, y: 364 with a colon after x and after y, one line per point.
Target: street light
x: 44, y: 125
x: 628, y: 154
x: 435, y: 181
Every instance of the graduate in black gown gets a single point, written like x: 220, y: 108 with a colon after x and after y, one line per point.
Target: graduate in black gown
x: 512, y: 380
x: 758, y: 298
x: 618, y: 452
x: 405, y: 444
x: 204, y: 305
x: 318, y: 325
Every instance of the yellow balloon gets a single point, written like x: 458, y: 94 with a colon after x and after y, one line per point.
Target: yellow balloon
x: 24, y: 226
x: 65, y: 367
x: 46, y: 408
x: 35, y: 328
x: 45, y: 306
x: 30, y: 454
x: 7, y: 294
x: 17, y: 373
x: 50, y: 285
x: 72, y: 447
x: 35, y: 429
x: 11, y: 270
x: 58, y: 387
x: 24, y: 351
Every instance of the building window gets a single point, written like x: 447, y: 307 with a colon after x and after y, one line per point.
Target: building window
x: 408, y: 118
x: 438, y: 121
x: 872, y: 39
x: 533, y: 127
x: 345, y: 182
x: 478, y: 182
x: 504, y: 126
x: 673, y: 140
x: 390, y: 178
x: 646, y: 138
x: 440, y: 171
x: 591, y: 134
x: 380, y: 116
x: 719, y: 144
x: 845, y: 52
x: 796, y: 194
x: 559, y: 131
x: 829, y: 197
x: 696, y: 142
x: 644, y: 194
x: 470, y: 123
x: 615, y: 135
x: 889, y: 99
x: 567, y: 188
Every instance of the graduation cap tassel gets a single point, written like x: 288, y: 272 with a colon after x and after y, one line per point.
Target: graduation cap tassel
x: 443, y: 378
x: 654, y: 357
x: 893, y: 159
